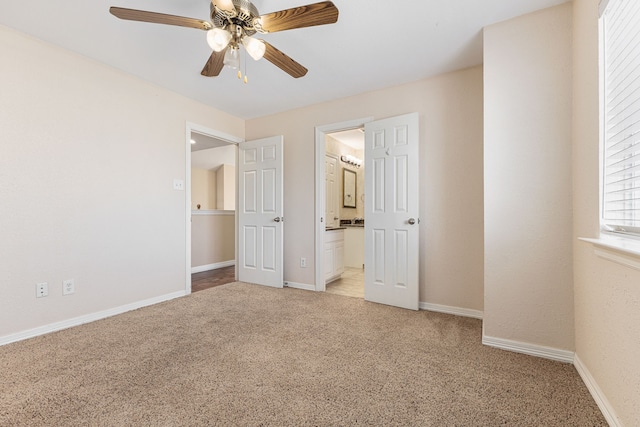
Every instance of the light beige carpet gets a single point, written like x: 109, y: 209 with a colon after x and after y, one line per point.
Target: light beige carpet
x: 245, y: 355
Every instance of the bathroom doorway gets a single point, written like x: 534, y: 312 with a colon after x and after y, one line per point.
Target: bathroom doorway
x: 390, y: 197
x: 343, y: 231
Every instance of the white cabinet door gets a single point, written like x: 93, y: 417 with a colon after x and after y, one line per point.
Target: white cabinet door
x: 333, y: 255
x: 391, y: 211
x: 338, y: 256
x: 354, y: 247
x: 329, y: 260
x: 260, y: 218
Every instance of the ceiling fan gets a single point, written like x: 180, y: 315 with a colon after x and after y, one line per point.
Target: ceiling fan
x: 233, y: 22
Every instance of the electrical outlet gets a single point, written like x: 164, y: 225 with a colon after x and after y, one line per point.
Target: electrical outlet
x: 68, y: 287
x: 303, y: 262
x: 42, y: 290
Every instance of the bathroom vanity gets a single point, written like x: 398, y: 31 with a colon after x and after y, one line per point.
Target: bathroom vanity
x: 354, y: 246
x: 333, y: 253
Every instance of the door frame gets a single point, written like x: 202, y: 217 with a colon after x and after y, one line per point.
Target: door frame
x: 194, y: 127
x: 320, y: 150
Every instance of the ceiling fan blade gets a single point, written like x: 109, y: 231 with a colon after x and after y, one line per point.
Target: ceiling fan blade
x: 284, y: 62
x: 299, y: 17
x: 215, y: 63
x: 225, y: 6
x: 159, y: 18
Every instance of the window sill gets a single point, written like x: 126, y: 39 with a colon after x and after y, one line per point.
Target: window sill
x: 617, y: 249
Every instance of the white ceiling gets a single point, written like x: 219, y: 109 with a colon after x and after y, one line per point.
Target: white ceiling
x: 374, y: 44
x: 353, y: 138
x: 201, y: 142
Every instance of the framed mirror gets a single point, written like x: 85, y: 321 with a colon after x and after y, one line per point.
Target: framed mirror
x: 349, y: 188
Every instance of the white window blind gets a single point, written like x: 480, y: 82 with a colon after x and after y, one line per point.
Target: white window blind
x: 621, y: 130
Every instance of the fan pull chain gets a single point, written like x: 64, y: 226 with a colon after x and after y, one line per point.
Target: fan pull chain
x: 240, y: 64
x: 246, y: 80
x: 245, y: 67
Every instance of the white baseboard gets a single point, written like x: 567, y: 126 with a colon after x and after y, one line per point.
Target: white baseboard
x: 464, y: 312
x: 76, y: 321
x: 302, y: 286
x: 597, y: 394
x: 215, y: 266
x: 530, y: 349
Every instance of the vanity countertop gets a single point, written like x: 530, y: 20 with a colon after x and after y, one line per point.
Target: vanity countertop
x: 355, y: 222
x: 334, y: 228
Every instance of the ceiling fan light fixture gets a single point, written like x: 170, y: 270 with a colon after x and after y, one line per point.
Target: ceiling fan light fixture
x: 232, y: 57
x: 218, y: 39
x: 255, y: 48
x: 233, y: 22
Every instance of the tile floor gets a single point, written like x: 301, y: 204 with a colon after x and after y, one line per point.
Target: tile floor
x: 351, y: 284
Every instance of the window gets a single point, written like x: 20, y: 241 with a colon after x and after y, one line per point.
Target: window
x: 620, y: 56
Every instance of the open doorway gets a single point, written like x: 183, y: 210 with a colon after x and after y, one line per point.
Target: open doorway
x: 211, y: 206
x: 391, y: 196
x: 344, y: 207
x: 340, y: 175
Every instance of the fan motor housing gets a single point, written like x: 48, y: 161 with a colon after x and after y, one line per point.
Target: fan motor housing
x: 246, y: 12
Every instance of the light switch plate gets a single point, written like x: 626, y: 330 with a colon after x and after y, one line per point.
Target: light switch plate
x: 178, y: 184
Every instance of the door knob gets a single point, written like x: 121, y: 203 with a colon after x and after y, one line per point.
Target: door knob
x: 277, y: 219
x: 411, y: 221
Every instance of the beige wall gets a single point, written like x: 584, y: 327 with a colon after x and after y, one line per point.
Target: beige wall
x: 213, y: 171
x: 451, y: 193
x: 89, y: 155
x: 528, y: 284
x: 204, y: 189
x: 212, y: 238
x: 226, y: 187
x: 607, y: 295
x: 76, y: 204
x: 335, y: 147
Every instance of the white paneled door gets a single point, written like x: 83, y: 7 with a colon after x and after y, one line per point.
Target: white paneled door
x: 260, y: 218
x: 391, y: 211
x: 331, y: 191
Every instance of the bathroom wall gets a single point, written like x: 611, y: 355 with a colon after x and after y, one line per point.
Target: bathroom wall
x: 335, y: 147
